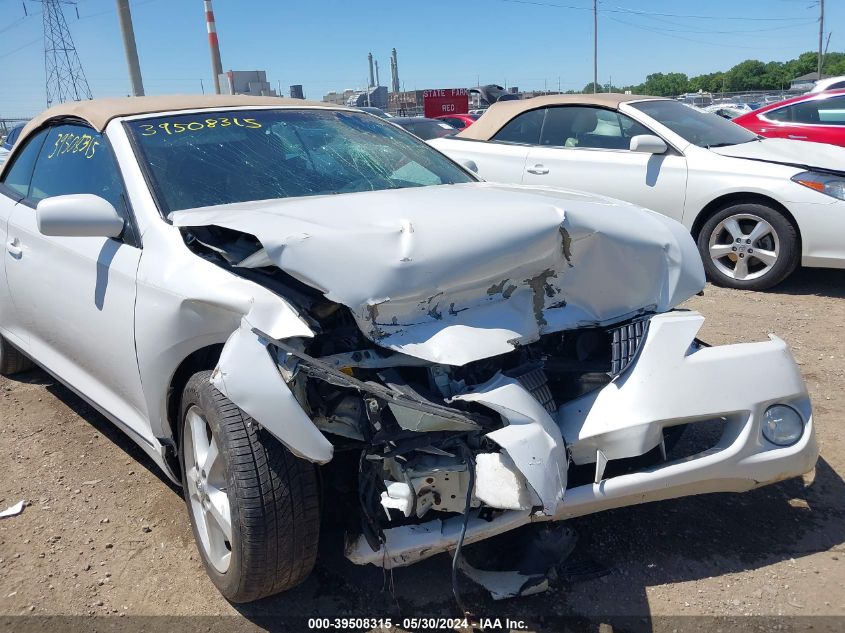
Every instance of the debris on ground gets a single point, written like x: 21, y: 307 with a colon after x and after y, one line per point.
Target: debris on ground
x: 539, y: 555
x: 12, y: 511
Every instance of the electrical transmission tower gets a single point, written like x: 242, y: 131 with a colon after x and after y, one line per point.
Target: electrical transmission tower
x: 65, y: 77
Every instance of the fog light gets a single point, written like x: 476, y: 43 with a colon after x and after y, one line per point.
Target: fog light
x: 782, y: 425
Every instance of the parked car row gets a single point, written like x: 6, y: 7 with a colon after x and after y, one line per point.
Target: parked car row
x: 293, y: 307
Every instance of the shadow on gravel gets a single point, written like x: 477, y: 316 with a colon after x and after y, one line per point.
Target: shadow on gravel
x: 95, y: 419
x: 822, y: 282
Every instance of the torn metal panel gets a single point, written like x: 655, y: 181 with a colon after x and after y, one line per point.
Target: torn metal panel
x: 315, y: 368
x: 249, y: 377
x: 458, y: 273
x: 531, y: 438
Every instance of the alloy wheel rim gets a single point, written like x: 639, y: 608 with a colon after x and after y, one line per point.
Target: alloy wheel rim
x: 205, y: 474
x: 744, y: 247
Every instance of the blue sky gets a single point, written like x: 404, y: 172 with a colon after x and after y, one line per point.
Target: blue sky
x: 323, y: 44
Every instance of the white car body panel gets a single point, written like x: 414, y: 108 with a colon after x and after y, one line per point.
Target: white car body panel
x: 409, y: 283
x: 74, y: 306
x: 656, y: 182
x: 762, y: 168
x: 470, y: 242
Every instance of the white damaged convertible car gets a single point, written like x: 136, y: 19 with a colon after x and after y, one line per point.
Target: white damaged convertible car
x: 261, y: 291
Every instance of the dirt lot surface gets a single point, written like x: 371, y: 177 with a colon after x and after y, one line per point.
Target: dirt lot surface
x: 104, y: 533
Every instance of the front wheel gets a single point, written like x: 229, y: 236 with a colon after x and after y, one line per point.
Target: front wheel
x: 748, y: 246
x: 254, y: 506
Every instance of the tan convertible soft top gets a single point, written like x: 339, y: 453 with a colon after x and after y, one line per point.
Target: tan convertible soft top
x: 498, y: 115
x: 98, y: 112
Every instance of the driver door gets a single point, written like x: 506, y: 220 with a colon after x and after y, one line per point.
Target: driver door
x: 587, y: 148
x: 75, y: 296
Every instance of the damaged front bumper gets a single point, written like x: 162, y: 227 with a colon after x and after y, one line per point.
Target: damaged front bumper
x: 670, y: 381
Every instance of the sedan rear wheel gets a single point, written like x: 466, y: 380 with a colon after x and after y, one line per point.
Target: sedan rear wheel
x: 749, y: 247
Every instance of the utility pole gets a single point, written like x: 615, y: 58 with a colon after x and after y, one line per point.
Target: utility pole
x: 65, y: 79
x: 213, y: 45
x: 129, y: 47
x: 821, y: 36
x: 596, y: 45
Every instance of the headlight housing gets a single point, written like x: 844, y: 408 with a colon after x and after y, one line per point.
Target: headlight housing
x: 828, y: 184
x: 782, y: 425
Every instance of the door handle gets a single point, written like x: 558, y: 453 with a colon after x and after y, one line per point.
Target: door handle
x: 797, y: 137
x: 538, y: 170
x: 14, y: 248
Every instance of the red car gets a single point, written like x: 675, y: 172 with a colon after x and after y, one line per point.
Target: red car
x: 459, y: 121
x: 819, y: 118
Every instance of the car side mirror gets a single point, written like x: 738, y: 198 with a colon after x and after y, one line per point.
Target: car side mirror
x: 78, y: 215
x: 648, y: 144
x: 470, y: 165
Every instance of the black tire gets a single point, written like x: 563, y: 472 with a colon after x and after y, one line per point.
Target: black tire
x: 273, y: 498
x: 789, y: 251
x: 12, y: 360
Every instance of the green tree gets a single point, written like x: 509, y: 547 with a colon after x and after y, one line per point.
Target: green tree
x: 666, y: 85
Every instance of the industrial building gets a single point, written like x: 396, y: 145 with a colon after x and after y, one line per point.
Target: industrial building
x: 246, y: 82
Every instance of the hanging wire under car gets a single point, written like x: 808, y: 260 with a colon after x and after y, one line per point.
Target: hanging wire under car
x: 470, y: 462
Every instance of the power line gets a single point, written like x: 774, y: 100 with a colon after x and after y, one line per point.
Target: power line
x: 19, y: 48
x: 680, y: 37
x: 539, y: 3
x: 697, y: 17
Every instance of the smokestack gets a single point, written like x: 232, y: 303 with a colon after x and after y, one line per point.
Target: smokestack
x: 372, y: 76
x: 213, y: 45
x: 378, y: 81
x: 395, y: 67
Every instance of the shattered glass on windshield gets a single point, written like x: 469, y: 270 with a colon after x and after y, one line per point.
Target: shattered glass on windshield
x: 223, y: 157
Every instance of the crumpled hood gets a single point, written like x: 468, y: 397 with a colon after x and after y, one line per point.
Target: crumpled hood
x: 788, y: 152
x: 457, y: 273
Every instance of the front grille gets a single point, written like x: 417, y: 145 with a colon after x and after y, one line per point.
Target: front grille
x: 535, y: 381
x: 625, y: 344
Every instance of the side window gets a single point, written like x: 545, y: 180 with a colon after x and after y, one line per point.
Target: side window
x: 523, y: 129
x: 781, y: 114
x: 19, y: 173
x: 76, y: 159
x: 806, y: 112
x: 577, y: 126
x: 832, y: 111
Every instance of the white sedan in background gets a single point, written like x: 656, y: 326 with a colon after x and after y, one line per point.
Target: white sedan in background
x: 757, y: 207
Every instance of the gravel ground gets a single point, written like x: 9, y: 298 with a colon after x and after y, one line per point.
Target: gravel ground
x: 104, y: 533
